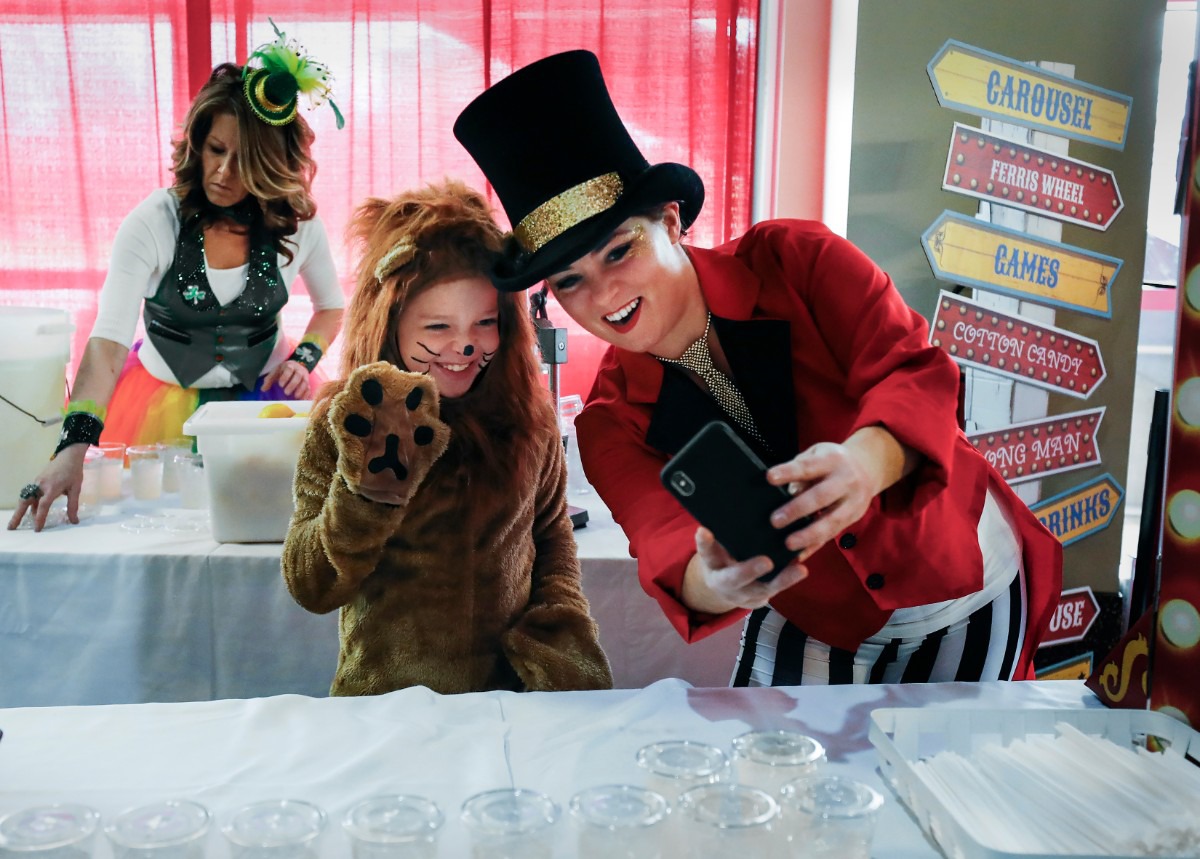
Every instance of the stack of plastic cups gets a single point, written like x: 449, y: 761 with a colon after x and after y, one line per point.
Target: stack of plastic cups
x: 511, y: 824
x: 622, y: 821
x: 175, y: 829
x: 770, y: 759
x: 45, y: 831
x: 718, y: 821
x: 830, y: 817
x: 394, y: 827
x: 276, y: 829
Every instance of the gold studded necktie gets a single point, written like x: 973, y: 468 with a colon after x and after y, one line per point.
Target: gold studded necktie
x: 698, y: 359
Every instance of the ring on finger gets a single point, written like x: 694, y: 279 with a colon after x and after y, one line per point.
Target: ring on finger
x: 30, y: 490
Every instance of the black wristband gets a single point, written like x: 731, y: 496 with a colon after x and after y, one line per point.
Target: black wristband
x: 79, y: 428
x: 307, y: 354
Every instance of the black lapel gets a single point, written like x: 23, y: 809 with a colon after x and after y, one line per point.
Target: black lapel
x: 759, y: 353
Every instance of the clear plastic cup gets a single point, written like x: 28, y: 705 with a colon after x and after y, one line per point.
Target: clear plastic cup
x: 569, y: 408
x: 49, y: 832
x: 831, y: 816
x: 276, y: 829
x: 511, y: 824
x: 674, y: 766
x: 174, y: 829
x: 722, y: 820
x: 193, y: 488
x: 112, y: 470
x: 169, y: 449
x: 770, y: 759
x: 145, y: 471
x: 620, y: 821
x: 394, y: 827
x: 89, y: 491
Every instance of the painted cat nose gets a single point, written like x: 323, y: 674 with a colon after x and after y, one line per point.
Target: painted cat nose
x: 468, y: 350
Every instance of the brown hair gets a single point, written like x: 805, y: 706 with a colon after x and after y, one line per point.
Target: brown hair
x: 444, y: 232
x: 274, y: 161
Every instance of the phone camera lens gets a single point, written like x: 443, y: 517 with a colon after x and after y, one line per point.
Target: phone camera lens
x: 682, y: 483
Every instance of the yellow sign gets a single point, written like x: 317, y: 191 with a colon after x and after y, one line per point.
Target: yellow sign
x: 1082, y: 511
x: 1078, y: 668
x: 977, y: 253
x: 986, y: 84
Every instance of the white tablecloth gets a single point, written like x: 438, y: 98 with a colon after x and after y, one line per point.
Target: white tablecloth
x: 98, y: 614
x: 335, y: 752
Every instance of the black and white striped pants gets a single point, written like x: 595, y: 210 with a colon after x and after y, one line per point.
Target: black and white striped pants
x: 983, y: 646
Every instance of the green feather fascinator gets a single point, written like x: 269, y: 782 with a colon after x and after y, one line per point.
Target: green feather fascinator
x: 273, y: 88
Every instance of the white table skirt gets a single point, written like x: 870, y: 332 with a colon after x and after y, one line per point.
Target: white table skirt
x: 98, y: 614
x: 335, y: 752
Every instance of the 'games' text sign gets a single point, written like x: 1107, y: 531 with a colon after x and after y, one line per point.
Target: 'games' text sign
x: 1042, y: 447
x: 991, y: 168
x: 978, y: 253
x: 977, y: 81
x: 1015, y: 347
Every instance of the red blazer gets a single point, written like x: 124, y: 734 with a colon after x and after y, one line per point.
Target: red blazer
x: 821, y: 343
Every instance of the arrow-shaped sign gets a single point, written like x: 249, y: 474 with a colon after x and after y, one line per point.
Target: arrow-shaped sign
x: 1040, y: 448
x: 978, y: 253
x: 1082, y: 511
x: 1015, y: 347
x: 990, y: 168
x: 977, y: 81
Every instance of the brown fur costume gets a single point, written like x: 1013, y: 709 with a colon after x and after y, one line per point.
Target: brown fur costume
x: 473, y: 583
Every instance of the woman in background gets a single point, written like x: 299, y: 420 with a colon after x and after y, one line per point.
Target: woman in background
x: 209, y: 262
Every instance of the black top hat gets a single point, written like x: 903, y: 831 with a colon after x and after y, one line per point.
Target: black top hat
x: 567, y: 172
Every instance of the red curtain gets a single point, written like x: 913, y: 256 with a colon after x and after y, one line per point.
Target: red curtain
x: 92, y: 93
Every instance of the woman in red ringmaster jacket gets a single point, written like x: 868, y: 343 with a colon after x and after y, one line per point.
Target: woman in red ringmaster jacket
x: 921, y: 564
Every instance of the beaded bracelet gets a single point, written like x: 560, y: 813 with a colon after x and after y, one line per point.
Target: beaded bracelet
x: 79, y: 428
x: 307, y: 354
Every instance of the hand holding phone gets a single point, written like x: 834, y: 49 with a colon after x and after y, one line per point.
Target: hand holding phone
x: 723, y: 484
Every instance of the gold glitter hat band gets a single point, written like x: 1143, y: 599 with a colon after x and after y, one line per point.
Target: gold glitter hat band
x: 564, y: 211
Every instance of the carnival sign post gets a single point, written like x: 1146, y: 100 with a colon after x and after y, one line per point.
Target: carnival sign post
x: 1016, y: 348
x: 972, y: 252
x: 1034, y: 180
x: 976, y: 81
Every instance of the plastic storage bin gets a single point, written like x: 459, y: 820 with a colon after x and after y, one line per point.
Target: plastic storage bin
x: 249, y: 464
x: 903, y: 736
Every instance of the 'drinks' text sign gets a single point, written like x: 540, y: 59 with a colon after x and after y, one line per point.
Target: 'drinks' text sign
x: 1015, y: 347
x: 1082, y: 511
x: 985, y: 84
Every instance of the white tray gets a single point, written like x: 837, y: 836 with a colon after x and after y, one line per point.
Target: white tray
x: 904, y: 736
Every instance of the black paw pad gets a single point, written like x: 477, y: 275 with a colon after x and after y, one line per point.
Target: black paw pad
x: 414, y: 398
x: 423, y: 435
x: 358, y: 425
x: 372, y: 392
x: 389, y: 459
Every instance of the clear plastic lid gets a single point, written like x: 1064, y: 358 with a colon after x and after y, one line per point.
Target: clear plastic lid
x: 47, y: 827
x: 619, y: 806
x: 682, y: 759
x: 728, y: 806
x: 779, y: 748
x: 393, y: 819
x: 509, y: 812
x: 831, y: 796
x: 276, y: 823
x: 172, y: 823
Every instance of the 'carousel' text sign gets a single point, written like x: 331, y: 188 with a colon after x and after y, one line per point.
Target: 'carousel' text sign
x: 977, y: 81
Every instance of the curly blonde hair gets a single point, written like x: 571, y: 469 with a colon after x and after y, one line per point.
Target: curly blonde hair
x: 275, y: 163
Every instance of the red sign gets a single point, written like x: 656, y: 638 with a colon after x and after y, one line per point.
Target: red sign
x: 1016, y: 347
x: 991, y: 168
x: 1039, y: 448
x: 1077, y: 611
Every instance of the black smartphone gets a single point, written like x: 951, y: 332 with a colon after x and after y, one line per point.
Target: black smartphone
x: 720, y: 481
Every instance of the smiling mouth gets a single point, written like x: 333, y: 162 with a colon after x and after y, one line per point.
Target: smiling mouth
x: 622, y: 319
x: 455, y: 368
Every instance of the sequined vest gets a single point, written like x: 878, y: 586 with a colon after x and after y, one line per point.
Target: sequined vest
x: 194, y: 332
